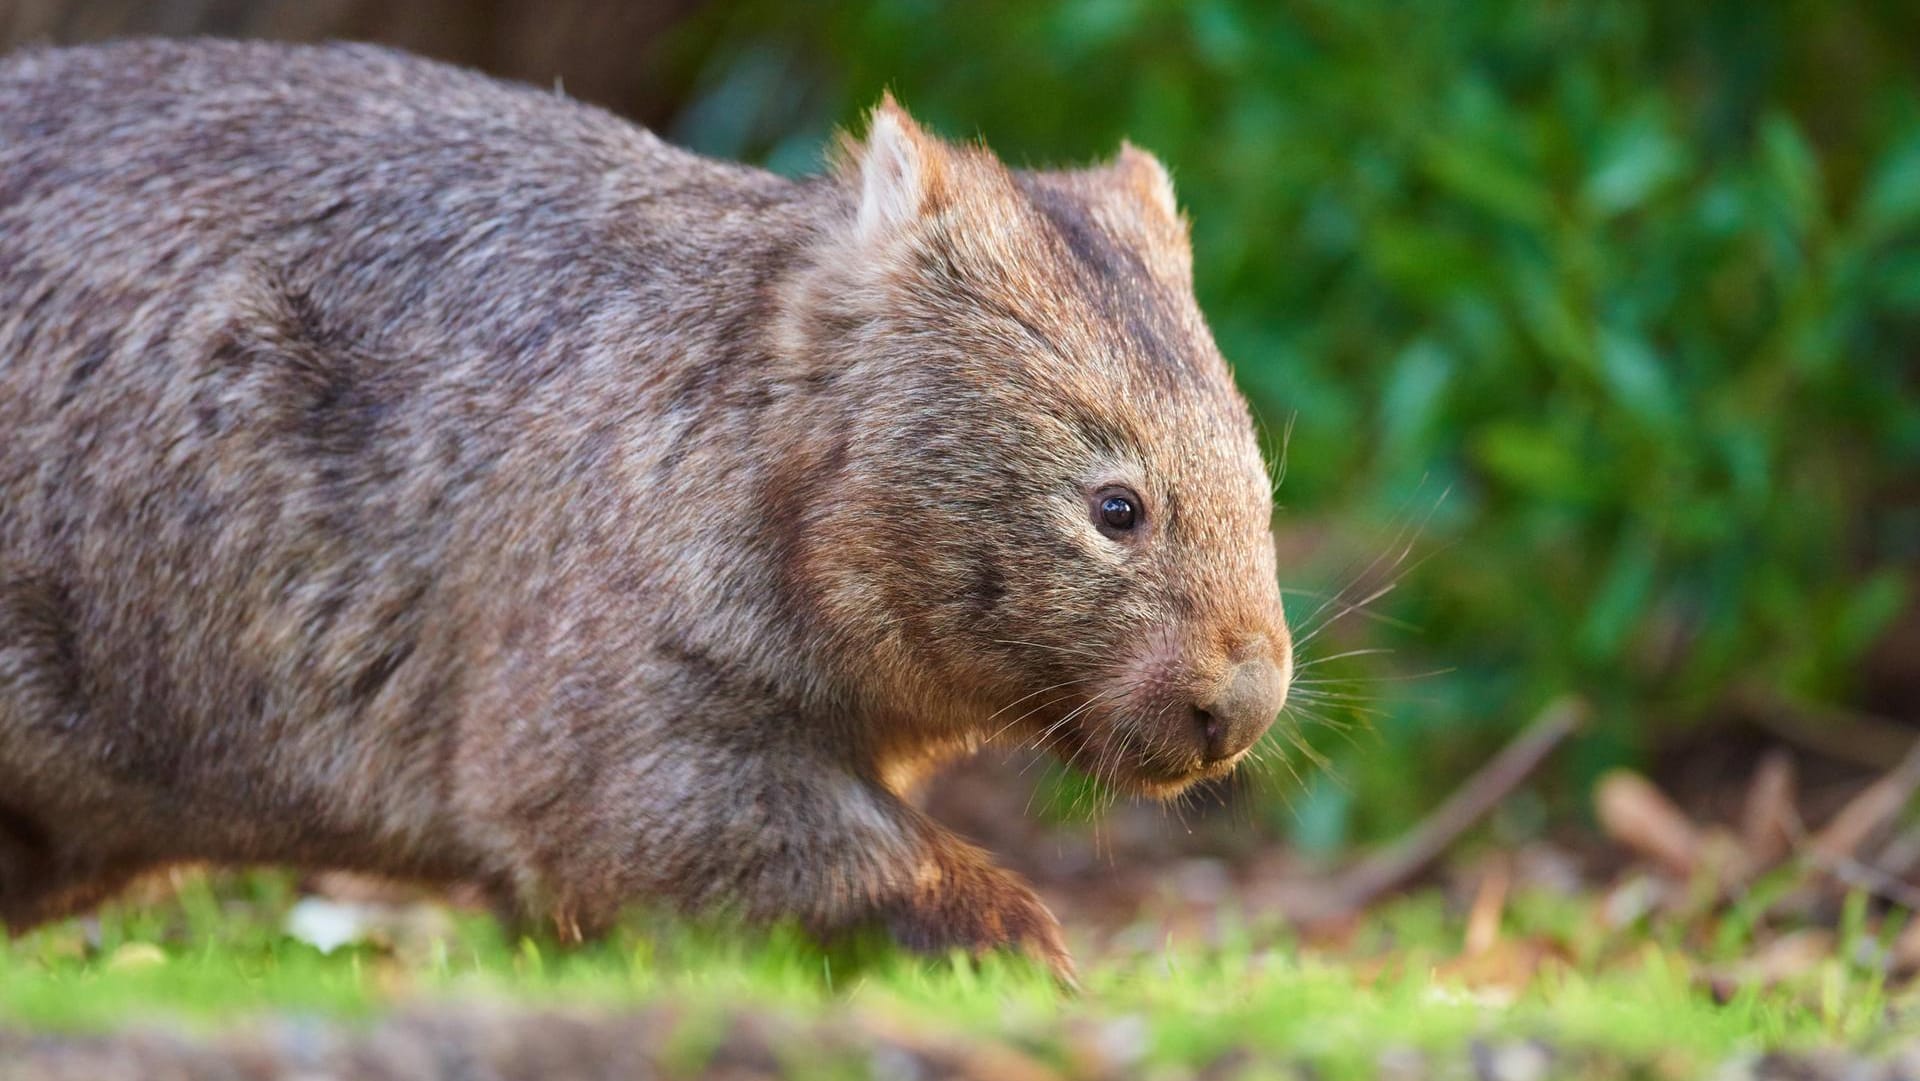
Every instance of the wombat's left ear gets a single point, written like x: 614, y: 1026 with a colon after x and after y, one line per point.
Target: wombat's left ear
x: 902, y: 170
x: 1142, y: 176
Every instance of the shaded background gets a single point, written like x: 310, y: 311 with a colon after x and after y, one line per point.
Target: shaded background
x: 1595, y: 326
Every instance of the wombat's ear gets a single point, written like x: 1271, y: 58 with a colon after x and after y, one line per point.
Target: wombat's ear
x: 1142, y: 177
x: 902, y: 170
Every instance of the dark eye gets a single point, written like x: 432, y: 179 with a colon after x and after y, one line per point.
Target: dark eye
x: 1117, y: 510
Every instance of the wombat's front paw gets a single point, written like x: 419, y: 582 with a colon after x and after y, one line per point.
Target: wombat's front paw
x: 959, y: 900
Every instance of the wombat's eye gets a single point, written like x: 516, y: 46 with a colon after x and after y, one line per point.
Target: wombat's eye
x: 1116, y: 510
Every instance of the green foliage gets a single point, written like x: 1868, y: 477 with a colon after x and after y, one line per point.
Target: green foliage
x: 1617, y: 301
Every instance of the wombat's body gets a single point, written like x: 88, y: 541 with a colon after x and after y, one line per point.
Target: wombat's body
x: 408, y: 472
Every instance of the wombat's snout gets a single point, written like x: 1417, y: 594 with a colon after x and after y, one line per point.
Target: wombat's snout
x: 1240, y: 708
x: 1198, y: 708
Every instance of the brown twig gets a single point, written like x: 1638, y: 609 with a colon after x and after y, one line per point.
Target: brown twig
x: 1832, y: 849
x: 1860, y: 876
x: 1768, y: 816
x: 1489, y: 904
x: 1901, y: 854
x: 1871, y: 811
x: 1634, y: 812
x: 1842, y: 735
x: 1393, y: 865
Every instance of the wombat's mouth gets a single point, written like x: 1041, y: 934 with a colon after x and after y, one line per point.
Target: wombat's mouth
x: 1176, y: 708
x: 1130, y: 762
x: 1157, y: 779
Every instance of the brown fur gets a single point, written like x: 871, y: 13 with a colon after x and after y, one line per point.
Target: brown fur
x: 414, y: 473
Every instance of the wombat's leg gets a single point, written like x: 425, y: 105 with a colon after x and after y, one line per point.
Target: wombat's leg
x: 929, y: 890
x: 776, y: 836
x: 41, y: 877
x: 846, y: 855
x: 955, y: 897
x: 32, y: 694
x: 22, y: 866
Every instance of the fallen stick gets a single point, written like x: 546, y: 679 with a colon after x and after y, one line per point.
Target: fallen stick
x: 1844, y: 736
x: 1638, y: 815
x: 1871, y: 811
x: 1860, y: 876
x: 1901, y: 855
x: 1769, y: 815
x: 1393, y: 865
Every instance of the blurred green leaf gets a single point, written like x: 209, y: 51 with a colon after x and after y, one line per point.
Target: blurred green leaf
x: 1897, y: 280
x: 1636, y: 159
x: 1414, y: 398
x: 1483, y: 178
x: 1621, y: 600
x: 1533, y: 458
x: 1636, y: 378
x: 1793, y: 169
x: 1867, y: 612
x: 1892, y: 200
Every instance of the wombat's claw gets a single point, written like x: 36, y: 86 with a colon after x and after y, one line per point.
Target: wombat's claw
x: 967, y: 903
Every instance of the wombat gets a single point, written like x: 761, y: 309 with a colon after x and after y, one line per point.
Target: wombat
x: 413, y: 473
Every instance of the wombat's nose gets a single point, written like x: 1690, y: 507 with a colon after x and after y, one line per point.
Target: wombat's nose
x: 1242, y: 707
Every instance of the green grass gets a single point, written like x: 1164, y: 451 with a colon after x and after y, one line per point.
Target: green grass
x: 211, y: 957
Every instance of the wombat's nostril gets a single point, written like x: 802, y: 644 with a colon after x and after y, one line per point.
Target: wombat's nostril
x: 1242, y: 707
x: 1212, y: 731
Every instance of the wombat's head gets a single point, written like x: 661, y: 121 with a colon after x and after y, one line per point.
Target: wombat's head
x: 1042, y: 513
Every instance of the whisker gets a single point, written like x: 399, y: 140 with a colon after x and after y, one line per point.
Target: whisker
x: 1047, y: 733
x: 1277, y: 472
x: 1374, y: 651
x: 1049, y: 645
x: 1399, y: 575
x: 1343, y: 689
x: 1404, y: 540
x: 1003, y: 729
x: 1399, y: 535
x: 1377, y: 617
x: 1031, y: 710
x: 1406, y: 677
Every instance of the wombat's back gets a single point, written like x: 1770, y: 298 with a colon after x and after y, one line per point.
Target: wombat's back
x: 282, y: 332
x: 406, y: 191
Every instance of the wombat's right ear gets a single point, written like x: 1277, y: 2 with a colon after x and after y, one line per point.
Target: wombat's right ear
x: 1142, y: 176
x: 901, y: 171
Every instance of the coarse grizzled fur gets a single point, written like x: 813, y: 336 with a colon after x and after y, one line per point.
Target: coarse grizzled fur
x: 409, y: 472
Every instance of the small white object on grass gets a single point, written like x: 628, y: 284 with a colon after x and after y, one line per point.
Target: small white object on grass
x: 328, y: 925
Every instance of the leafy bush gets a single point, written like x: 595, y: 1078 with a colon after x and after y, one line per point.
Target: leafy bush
x: 1619, y: 301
